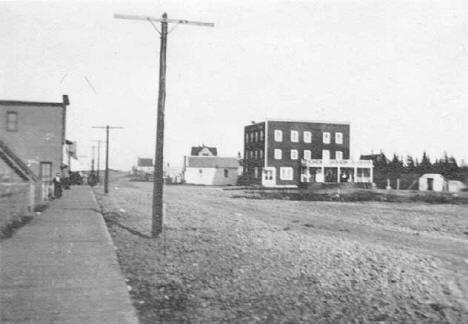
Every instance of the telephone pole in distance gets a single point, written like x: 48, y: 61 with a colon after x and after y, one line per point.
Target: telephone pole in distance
x: 158, y: 184
x: 98, y: 159
x: 106, y: 174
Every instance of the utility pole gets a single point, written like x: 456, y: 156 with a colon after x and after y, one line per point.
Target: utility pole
x: 92, y: 158
x: 98, y: 159
x: 158, y: 182
x: 106, y: 174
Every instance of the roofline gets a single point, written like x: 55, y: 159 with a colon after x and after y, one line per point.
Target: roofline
x: 212, y: 156
x: 63, y: 104
x: 307, y: 121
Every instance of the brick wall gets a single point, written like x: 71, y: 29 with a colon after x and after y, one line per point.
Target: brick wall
x: 14, y: 202
x: 40, y: 134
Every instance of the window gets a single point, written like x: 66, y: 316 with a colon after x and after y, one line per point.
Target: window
x: 339, y: 155
x: 325, y: 155
x: 45, y: 170
x: 226, y: 173
x: 256, y: 173
x: 256, y: 136
x: 307, y: 137
x: 12, y: 121
x: 278, y: 154
x: 293, y: 154
x: 261, y: 154
x: 307, y: 154
x: 278, y: 135
x: 256, y: 154
x: 251, y: 137
x: 268, y: 174
x: 246, y: 137
x: 326, y: 138
x: 251, y: 154
x: 339, y: 138
x: 294, y: 136
x: 286, y: 173
x: 261, y: 135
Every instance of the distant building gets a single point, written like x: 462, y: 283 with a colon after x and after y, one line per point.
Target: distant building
x: 203, y: 151
x: 145, y: 165
x: 35, y: 134
x: 288, y: 153
x: 210, y: 170
x: 433, y: 182
x: 376, y: 158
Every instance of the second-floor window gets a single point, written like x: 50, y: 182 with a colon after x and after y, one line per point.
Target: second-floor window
x: 260, y: 154
x: 325, y: 155
x: 326, y: 138
x: 261, y: 135
x: 278, y: 135
x: 307, y: 137
x: 293, y: 154
x: 307, y: 154
x: 278, y: 154
x: 339, y: 138
x: 294, y: 136
x: 12, y: 121
x: 256, y: 136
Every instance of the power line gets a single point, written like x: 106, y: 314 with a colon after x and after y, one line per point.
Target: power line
x: 158, y: 182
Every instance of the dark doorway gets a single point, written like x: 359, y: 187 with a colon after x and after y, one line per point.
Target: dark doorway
x: 430, y: 184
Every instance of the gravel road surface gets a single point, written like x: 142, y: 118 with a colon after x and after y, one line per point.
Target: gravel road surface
x: 225, y: 258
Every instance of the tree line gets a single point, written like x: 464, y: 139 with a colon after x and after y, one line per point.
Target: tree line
x: 410, y: 168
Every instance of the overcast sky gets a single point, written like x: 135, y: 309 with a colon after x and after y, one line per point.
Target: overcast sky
x: 396, y: 70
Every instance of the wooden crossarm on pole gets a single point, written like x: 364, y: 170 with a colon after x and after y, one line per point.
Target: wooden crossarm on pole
x: 164, y: 20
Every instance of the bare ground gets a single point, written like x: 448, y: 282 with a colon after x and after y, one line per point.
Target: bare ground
x: 236, y: 260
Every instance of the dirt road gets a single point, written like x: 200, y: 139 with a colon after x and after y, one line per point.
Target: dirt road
x: 232, y: 259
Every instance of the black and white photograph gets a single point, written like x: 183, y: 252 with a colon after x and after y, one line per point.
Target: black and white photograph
x: 202, y: 161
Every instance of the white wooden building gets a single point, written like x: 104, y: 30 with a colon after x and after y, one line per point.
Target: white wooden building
x: 210, y: 170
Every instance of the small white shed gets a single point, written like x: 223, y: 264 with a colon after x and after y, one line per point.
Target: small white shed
x: 433, y: 182
x: 211, y: 170
x: 455, y: 186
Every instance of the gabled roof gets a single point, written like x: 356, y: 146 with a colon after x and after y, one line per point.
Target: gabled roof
x: 145, y: 162
x: 197, y: 149
x: 211, y: 162
x: 17, y: 165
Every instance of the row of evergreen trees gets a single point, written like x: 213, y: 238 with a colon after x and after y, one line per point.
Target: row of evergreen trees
x: 397, y: 166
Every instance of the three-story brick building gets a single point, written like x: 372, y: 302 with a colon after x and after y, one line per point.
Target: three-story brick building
x: 286, y: 153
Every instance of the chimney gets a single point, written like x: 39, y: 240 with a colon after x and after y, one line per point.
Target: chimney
x: 65, y: 100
